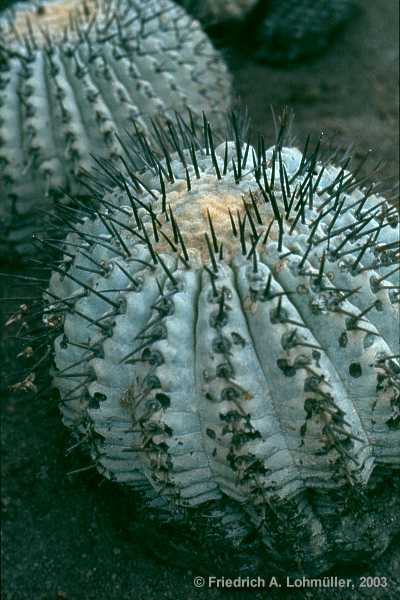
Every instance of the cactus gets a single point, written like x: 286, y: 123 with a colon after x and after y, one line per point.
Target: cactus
x: 295, y: 29
x: 281, y: 31
x: 71, y: 77
x: 225, y: 335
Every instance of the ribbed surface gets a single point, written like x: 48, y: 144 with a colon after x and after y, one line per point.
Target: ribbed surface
x: 60, y: 103
x: 294, y: 29
x: 269, y: 379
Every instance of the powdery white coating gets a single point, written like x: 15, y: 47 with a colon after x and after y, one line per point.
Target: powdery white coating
x: 269, y: 378
x: 61, y: 101
x: 47, y: 14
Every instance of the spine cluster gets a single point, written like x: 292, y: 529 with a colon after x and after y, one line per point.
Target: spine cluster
x: 242, y: 352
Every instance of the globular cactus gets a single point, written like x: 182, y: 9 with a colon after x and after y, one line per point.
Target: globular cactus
x: 280, y: 31
x: 72, y: 74
x: 294, y: 29
x: 225, y: 337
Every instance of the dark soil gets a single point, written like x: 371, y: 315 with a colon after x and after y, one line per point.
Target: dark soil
x: 76, y: 537
x: 350, y: 94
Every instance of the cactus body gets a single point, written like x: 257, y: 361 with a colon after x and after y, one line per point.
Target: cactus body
x: 282, y: 31
x: 227, y: 339
x: 65, y: 92
x: 295, y: 29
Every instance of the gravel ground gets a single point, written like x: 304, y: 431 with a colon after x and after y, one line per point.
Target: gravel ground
x: 76, y: 537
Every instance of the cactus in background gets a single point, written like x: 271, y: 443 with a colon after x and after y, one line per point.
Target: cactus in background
x: 73, y: 74
x: 295, y: 29
x: 280, y: 31
x: 225, y: 337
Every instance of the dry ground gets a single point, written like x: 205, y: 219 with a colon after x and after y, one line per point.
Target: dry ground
x: 74, y: 537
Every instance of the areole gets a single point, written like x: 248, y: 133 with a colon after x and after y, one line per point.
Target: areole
x: 224, y: 330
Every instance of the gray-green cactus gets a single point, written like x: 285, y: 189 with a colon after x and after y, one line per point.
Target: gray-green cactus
x: 70, y: 79
x: 280, y: 31
x: 225, y: 336
x: 294, y: 29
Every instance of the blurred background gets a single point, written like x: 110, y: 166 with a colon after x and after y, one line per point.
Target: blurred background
x: 350, y: 92
x: 75, y: 537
